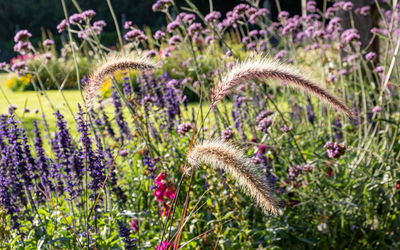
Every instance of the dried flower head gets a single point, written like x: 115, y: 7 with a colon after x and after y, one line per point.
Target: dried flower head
x: 111, y: 65
x: 257, y: 69
x: 223, y: 155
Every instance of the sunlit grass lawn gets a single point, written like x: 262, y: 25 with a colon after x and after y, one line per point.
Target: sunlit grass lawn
x: 66, y: 102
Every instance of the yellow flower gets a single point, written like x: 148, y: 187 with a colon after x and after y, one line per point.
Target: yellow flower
x: 106, y: 85
x: 26, y: 79
x: 12, y: 81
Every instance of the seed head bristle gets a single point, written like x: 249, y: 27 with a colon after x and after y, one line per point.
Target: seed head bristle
x: 225, y: 156
x: 108, y: 67
x: 263, y: 69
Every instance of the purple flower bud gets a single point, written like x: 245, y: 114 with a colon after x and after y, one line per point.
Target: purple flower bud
x: 127, y: 25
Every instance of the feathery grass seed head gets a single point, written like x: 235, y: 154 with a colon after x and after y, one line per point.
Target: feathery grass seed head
x: 110, y: 66
x: 223, y: 155
x: 258, y: 69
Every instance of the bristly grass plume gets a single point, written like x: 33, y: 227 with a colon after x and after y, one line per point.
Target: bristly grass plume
x: 262, y: 69
x: 225, y: 156
x: 112, y: 64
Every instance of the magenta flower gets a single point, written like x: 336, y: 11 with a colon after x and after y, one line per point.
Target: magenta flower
x: 164, y: 245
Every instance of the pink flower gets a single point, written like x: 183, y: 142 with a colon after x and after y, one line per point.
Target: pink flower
x: 164, y: 245
x: 134, y: 226
x: 376, y: 109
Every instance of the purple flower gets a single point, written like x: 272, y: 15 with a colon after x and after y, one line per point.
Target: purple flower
x: 100, y: 23
x: 119, y: 117
x: 135, y: 34
x: 23, y: 47
x: 310, y: 111
x: 253, y: 33
x: 376, y: 109
x: 285, y: 129
x: 187, y: 18
x: 161, y: 5
x: 48, y: 42
x: 124, y: 152
x: 3, y: 65
x: 264, y: 124
x: 127, y: 25
x: 124, y: 233
x: 227, y: 134
x: 159, y: 34
x: 365, y: 10
x: 263, y: 114
x: 212, y: 17
x: 369, y: 56
x: 347, y: 6
x: 350, y: 35
x: 194, y: 28
x: 76, y: 18
x: 173, y: 25
x: 379, y: 31
x: 283, y: 15
x: 88, y: 14
x: 311, y: 6
x: 240, y: 8
x: 280, y: 54
x: 330, y: 12
x: 19, y: 67
x: 174, y: 40
x: 42, y: 162
x: 335, y: 150
x: 184, y: 128
x: 62, y: 25
x: 22, y: 36
x: 379, y: 69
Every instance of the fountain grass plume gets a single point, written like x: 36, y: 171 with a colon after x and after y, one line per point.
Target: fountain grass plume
x: 262, y: 69
x: 225, y: 156
x: 112, y: 64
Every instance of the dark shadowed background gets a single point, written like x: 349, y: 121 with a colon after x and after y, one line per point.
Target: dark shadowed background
x: 40, y: 16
